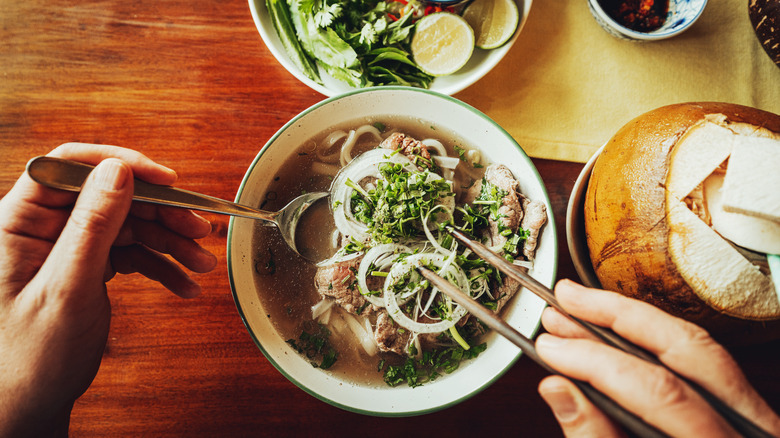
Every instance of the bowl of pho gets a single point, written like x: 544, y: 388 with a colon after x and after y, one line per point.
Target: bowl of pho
x: 361, y: 330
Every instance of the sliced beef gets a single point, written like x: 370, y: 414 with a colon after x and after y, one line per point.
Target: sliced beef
x: 406, y: 145
x: 533, y: 221
x: 472, y: 192
x: 510, y: 213
x: 338, y: 281
x: 389, y: 335
x: 505, y: 292
x: 516, y: 212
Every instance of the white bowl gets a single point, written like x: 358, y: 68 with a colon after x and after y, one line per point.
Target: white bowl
x: 481, y: 62
x: 680, y: 16
x: 576, y: 238
x: 523, y: 313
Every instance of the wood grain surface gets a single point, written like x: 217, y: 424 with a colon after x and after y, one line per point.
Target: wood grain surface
x: 191, y: 85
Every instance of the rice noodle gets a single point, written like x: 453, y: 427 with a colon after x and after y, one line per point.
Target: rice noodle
x: 338, y: 324
x: 328, y: 142
x: 366, y: 337
x: 346, y: 148
x: 345, y: 156
x: 321, y: 307
x: 324, y: 169
x: 432, y: 143
x: 325, y: 317
x: 446, y: 162
x: 473, y: 156
x: 333, y: 137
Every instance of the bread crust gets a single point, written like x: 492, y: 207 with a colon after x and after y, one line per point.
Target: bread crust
x: 625, y: 208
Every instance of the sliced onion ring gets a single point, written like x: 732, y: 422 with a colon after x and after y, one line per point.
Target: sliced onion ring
x: 394, y: 310
x: 362, y: 166
x: 372, y: 255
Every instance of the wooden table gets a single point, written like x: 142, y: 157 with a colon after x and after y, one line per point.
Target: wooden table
x: 190, y: 84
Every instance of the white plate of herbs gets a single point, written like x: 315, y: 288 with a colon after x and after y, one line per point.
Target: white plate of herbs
x: 335, y: 46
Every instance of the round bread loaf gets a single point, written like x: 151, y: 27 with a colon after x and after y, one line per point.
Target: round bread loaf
x: 648, y: 231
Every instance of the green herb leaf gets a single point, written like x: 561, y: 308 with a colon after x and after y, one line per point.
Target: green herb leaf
x: 313, y: 343
x: 431, y: 365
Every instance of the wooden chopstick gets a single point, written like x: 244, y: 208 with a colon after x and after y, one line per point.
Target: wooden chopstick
x: 744, y: 426
x: 543, y: 292
x: 629, y: 420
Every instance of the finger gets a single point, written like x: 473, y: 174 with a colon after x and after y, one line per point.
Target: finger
x: 185, y: 222
x: 136, y: 258
x: 181, y: 220
x: 28, y: 191
x: 651, y: 392
x: 94, y: 223
x: 576, y: 415
x: 681, y: 345
x: 21, y: 260
x: 143, y: 167
x: 158, y: 238
x: 29, y: 219
x: 108, y: 271
x: 560, y: 325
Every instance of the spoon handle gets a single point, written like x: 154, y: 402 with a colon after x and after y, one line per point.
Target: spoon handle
x: 70, y: 175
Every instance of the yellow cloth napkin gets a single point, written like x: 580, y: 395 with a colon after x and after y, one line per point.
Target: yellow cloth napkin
x: 567, y: 86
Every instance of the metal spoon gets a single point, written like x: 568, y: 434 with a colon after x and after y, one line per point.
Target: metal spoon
x: 70, y: 175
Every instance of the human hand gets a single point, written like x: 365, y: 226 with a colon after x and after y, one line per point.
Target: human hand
x: 649, y: 391
x: 58, y: 250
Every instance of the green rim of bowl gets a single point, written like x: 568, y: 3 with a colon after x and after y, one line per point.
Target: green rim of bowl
x: 551, y: 230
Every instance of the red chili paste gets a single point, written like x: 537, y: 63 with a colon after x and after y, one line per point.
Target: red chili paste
x: 638, y: 15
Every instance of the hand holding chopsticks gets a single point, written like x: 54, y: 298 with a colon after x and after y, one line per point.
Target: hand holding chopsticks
x: 641, y: 358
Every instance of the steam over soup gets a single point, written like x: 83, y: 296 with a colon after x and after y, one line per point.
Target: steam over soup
x: 366, y: 313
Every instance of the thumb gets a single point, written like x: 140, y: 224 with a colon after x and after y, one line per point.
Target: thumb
x: 81, y: 252
x: 576, y: 415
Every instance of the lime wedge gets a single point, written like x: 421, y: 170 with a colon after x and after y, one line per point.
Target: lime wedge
x: 494, y: 21
x: 442, y: 43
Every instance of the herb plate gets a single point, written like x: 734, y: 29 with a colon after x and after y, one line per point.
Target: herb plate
x: 480, y: 63
x: 523, y: 312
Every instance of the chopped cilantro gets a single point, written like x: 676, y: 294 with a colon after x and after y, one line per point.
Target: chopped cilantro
x: 313, y: 343
x: 353, y: 246
x: 430, y: 366
x: 461, y: 152
x: 396, y: 207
